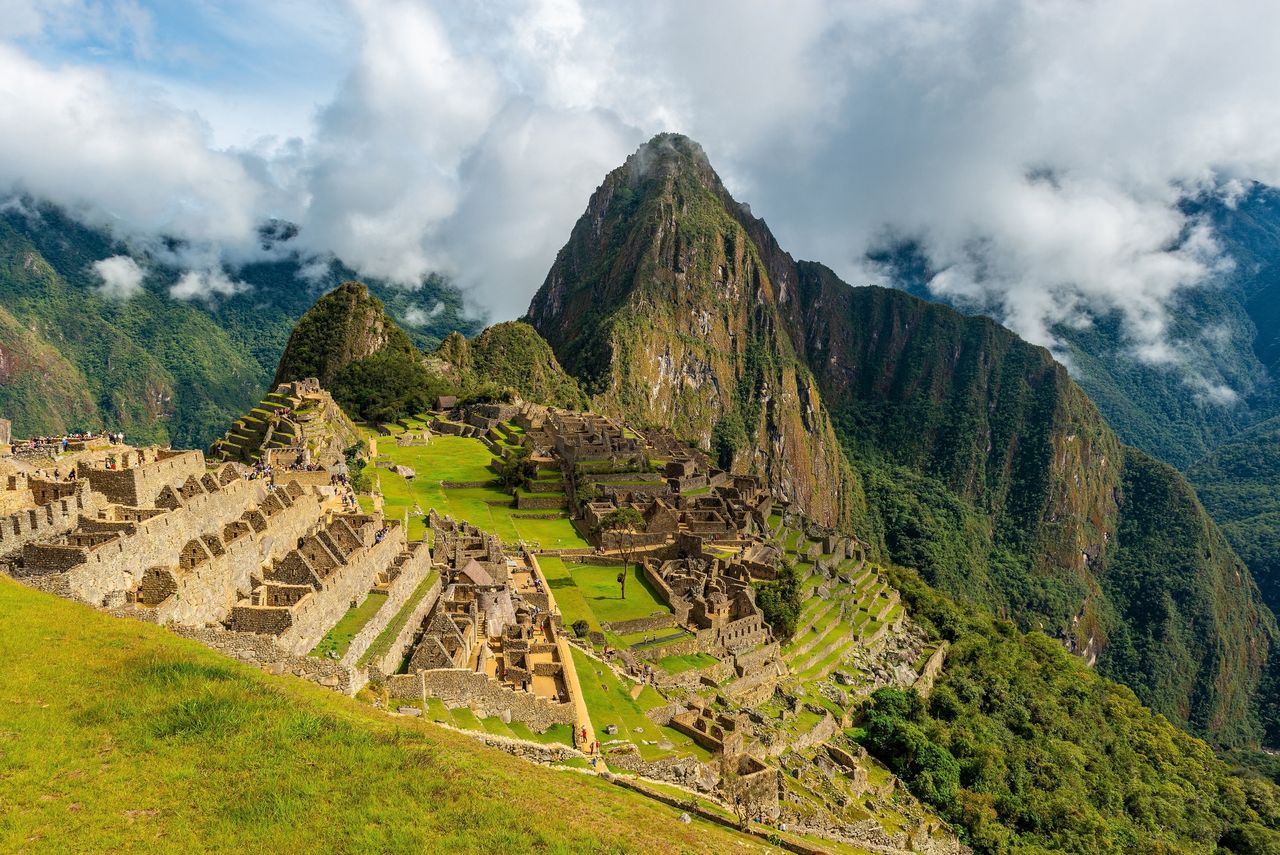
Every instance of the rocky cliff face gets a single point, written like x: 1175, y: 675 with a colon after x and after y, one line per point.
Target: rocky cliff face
x: 344, y: 326
x: 1095, y: 542
x: 665, y: 307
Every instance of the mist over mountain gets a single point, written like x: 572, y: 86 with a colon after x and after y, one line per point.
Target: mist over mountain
x: 99, y: 335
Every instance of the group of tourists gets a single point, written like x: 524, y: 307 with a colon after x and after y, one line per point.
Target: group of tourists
x: 62, y: 443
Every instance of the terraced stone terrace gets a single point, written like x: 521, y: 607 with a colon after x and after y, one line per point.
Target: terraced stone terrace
x: 843, y: 610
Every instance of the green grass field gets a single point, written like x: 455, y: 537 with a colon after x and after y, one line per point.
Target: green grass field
x: 120, y: 736
x: 687, y: 662
x: 591, y: 592
x: 461, y: 460
x: 339, y: 636
x: 609, y: 702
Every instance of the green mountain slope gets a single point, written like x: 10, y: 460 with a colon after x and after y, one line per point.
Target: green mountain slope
x: 1239, y: 484
x: 983, y: 462
x: 344, y: 326
x: 161, y: 369
x: 665, y: 308
x: 511, y: 355
x: 1031, y: 752
x: 1086, y: 538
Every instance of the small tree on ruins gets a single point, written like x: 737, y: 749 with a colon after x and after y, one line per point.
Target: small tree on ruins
x: 517, y: 470
x: 626, y: 523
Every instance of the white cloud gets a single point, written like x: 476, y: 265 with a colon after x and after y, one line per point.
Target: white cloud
x: 1038, y: 149
x: 416, y: 316
x: 205, y: 285
x: 121, y: 277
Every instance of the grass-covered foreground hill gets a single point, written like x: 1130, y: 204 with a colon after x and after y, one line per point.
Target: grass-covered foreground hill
x: 119, y: 736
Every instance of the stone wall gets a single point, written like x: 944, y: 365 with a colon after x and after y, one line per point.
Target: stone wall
x: 262, y: 650
x: 932, y: 668
x: 526, y: 502
x: 652, y: 623
x: 390, y: 661
x: 139, y: 485
x: 536, y: 752
x: 459, y: 687
x: 412, y: 572
x: 684, y: 771
x: 117, y: 567
x: 56, y: 518
x: 318, y: 612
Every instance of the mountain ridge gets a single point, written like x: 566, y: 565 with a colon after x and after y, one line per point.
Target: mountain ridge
x: 668, y: 285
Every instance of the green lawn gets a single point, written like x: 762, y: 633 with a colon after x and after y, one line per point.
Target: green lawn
x: 599, y: 586
x: 573, y: 606
x: 118, y: 736
x: 687, y: 662
x: 462, y: 460
x: 339, y: 636
x: 609, y: 702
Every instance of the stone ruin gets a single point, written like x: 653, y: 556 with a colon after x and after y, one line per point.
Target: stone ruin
x: 712, y: 597
x: 491, y: 642
x: 236, y: 561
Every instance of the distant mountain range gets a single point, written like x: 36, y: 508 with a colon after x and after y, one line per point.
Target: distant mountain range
x: 159, y: 368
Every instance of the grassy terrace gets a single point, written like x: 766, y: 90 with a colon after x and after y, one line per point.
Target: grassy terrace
x: 609, y: 701
x: 591, y: 592
x: 120, y: 736
x: 339, y: 636
x: 463, y: 718
x: 687, y: 662
x: 382, y: 644
x: 461, y: 460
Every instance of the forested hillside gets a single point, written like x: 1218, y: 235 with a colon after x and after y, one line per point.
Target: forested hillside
x: 160, y: 368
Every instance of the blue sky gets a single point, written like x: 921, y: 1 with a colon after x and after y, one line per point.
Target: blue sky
x: 412, y: 136
x: 250, y: 68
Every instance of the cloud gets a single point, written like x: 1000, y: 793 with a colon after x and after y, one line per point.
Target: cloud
x: 121, y: 277
x: 205, y: 285
x: 1036, y: 150
x: 416, y: 316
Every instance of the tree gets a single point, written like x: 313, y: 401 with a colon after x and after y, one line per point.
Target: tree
x: 780, y: 600
x: 626, y: 523
x: 517, y: 470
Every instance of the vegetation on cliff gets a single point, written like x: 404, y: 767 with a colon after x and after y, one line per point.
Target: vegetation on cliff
x: 992, y: 472
x: 1239, y: 484
x: 344, y: 326
x: 161, y: 368
x: 510, y: 355
x: 1031, y: 751
x: 666, y: 309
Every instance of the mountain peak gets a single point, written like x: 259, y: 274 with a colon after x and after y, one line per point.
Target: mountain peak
x: 344, y: 326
